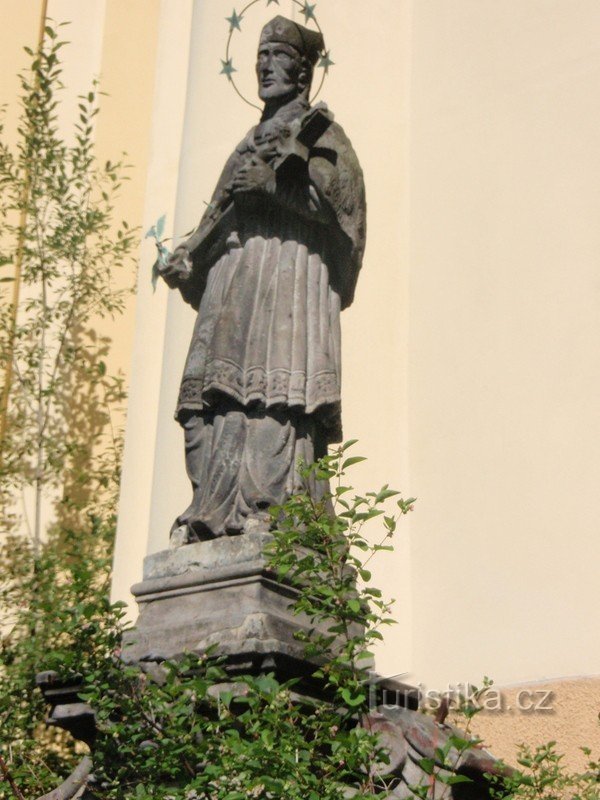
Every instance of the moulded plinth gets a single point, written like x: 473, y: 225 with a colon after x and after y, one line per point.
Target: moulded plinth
x: 220, y: 594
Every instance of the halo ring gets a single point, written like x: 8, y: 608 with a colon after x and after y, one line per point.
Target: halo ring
x: 228, y: 57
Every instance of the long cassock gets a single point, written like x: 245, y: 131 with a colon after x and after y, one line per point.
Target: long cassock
x: 271, y: 272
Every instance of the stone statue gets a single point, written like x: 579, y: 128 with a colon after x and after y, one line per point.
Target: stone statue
x: 273, y: 261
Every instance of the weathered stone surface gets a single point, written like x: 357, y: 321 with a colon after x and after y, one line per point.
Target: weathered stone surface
x: 271, y: 264
x: 219, y: 593
x: 67, y: 710
x: 208, y: 559
x: 410, y: 737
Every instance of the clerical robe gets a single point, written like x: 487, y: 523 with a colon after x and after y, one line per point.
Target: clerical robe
x: 271, y: 272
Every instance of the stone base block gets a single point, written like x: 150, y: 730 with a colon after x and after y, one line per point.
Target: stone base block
x: 221, y: 593
x: 217, y: 593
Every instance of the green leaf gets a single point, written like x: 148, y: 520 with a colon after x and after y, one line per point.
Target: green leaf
x: 351, y: 698
x: 385, y: 493
x: 427, y: 765
x: 352, y: 460
x: 160, y: 226
x: 452, y: 780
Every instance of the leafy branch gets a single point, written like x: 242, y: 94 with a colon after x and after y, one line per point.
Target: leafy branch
x: 57, y: 231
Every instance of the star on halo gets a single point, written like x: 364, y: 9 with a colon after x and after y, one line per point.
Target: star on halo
x: 228, y: 68
x: 326, y: 61
x: 272, y: 1
x: 234, y: 20
x: 308, y: 11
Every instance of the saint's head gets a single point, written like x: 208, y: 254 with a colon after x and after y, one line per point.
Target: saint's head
x: 287, y: 54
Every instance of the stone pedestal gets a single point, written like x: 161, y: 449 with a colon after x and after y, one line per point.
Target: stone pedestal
x: 218, y: 593
x: 221, y: 593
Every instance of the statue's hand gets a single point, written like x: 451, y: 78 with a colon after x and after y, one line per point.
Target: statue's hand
x: 255, y: 176
x: 178, y: 268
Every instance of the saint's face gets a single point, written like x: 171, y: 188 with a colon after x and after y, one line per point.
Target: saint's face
x: 277, y: 67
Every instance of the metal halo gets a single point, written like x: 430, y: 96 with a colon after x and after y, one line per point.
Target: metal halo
x: 228, y: 60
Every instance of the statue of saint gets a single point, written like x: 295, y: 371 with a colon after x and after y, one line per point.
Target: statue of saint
x: 273, y: 261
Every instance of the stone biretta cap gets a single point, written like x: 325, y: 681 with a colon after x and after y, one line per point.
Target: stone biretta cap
x: 308, y: 43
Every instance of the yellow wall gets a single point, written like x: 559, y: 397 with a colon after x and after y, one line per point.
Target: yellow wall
x: 20, y: 27
x: 149, y: 353
x: 563, y: 711
x: 124, y: 126
x: 115, y: 43
x: 504, y: 328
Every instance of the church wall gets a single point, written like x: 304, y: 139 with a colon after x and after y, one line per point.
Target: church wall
x: 99, y: 47
x: 169, y: 70
x: 504, y: 329
x: 504, y: 375
x: 21, y: 25
x: 20, y: 28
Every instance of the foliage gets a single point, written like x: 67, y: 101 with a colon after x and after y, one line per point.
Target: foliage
x: 198, y: 733
x: 442, y: 770
x: 59, y: 249
x: 194, y: 732
x: 321, y: 548
x: 59, y: 242
x: 55, y: 615
x: 543, y: 776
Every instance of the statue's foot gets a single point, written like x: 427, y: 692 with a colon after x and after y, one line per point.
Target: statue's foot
x: 183, y: 533
x: 180, y: 535
x: 258, y: 522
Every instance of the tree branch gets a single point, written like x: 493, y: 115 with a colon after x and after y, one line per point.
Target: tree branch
x: 6, y: 774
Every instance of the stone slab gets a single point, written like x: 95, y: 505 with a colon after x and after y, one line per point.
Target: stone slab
x: 207, y: 557
x: 218, y: 594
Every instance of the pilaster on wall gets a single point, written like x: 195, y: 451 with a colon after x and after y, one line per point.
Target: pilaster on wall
x: 171, y: 71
